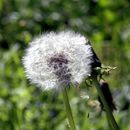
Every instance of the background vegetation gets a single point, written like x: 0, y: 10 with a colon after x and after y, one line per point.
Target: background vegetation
x: 105, y: 23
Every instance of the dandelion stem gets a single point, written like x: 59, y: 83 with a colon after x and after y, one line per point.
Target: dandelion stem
x: 109, y: 123
x: 68, y: 110
x: 107, y: 108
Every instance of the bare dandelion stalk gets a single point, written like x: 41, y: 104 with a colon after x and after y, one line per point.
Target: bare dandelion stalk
x: 68, y: 110
x: 107, y: 109
x: 109, y: 123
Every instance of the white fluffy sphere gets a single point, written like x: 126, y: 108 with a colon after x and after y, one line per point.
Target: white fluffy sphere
x: 54, y: 60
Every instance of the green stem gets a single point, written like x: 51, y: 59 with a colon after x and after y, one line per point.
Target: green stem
x: 109, y: 123
x: 107, y: 108
x: 68, y: 110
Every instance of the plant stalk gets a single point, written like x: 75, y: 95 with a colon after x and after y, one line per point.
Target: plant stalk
x: 109, y: 123
x: 68, y: 110
x: 110, y: 116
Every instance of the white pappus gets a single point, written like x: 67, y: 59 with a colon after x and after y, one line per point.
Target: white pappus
x: 55, y: 60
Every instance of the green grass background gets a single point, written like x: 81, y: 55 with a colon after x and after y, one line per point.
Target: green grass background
x: 105, y: 23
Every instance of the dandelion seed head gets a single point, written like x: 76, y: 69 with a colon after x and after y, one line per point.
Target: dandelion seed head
x: 58, y: 59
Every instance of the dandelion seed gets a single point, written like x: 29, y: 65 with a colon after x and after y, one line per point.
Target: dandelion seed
x: 58, y: 59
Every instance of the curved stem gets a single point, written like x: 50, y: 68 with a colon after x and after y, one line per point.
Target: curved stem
x: 107, y: 108
x: 68, y: 110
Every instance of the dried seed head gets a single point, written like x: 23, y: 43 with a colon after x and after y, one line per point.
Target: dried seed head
x: 58, y: 59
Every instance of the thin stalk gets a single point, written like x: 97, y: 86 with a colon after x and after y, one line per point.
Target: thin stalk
x: 68, y: 110
x: 107, y: 108
x: 109, y: 123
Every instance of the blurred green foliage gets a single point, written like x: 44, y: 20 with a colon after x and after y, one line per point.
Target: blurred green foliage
x: 105, y: 23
